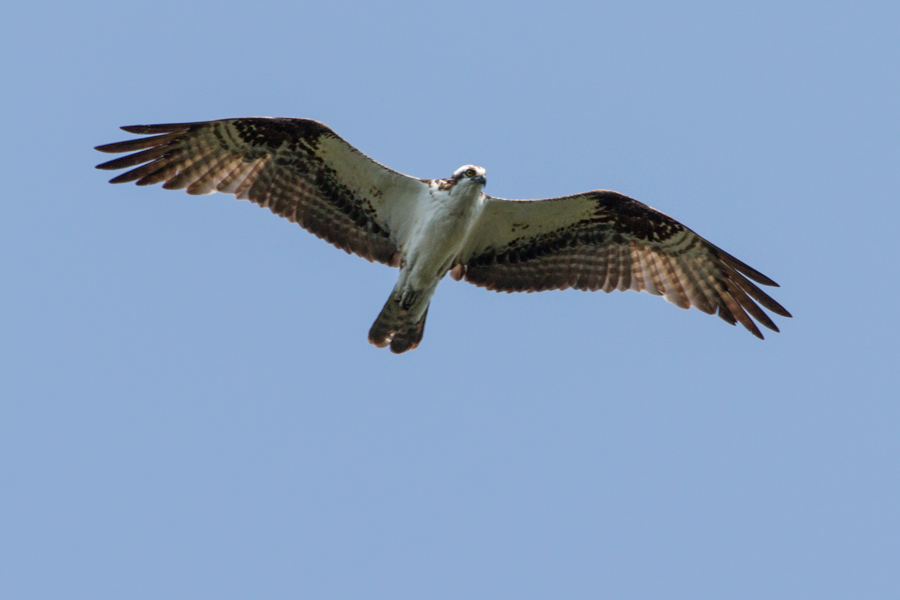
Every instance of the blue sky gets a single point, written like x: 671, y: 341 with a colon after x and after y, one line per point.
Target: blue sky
x: 190, y: 408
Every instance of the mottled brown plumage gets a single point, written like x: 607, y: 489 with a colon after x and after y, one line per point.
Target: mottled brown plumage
x: 618, y: 243
x: 275, y: 163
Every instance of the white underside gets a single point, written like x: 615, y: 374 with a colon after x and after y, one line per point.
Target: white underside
x: 437, y: 234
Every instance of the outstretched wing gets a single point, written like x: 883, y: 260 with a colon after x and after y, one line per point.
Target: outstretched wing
x: 297, y: 168
x: 602, y: 240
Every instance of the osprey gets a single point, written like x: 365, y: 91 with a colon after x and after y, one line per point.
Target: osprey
x: 302, y: 170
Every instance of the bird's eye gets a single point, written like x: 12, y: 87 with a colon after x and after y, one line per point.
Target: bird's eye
x: 470, y: 173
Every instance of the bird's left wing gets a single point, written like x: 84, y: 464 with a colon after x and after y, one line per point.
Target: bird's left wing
x: 298, y: 168
x: 603, y: 240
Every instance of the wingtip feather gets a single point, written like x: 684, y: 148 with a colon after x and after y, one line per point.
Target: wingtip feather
x: 160, y: 128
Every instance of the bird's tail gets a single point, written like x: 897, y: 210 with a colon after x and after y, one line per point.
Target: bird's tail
x: 399, y: 327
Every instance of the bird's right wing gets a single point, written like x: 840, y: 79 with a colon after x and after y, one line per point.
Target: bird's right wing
x: 297, y: 168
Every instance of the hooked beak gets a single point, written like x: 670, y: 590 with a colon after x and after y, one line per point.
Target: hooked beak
x: 481, y: 180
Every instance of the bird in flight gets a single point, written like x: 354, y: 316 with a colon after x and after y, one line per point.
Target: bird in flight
x: 303, y: 171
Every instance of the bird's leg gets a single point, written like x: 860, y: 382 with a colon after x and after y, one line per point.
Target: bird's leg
x: 409, y: 298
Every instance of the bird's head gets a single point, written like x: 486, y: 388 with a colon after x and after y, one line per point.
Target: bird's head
x: 468, y: 175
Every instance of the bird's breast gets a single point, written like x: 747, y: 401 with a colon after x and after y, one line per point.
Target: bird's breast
x: 438, y: 238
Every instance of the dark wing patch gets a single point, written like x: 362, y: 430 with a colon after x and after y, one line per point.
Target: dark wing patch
x: 276, y: 163
x: 618, y: 243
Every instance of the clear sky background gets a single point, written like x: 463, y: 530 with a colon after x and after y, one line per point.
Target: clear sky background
x: 190, y: 408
